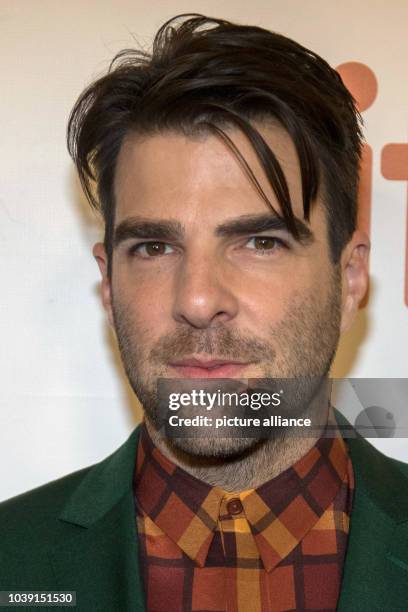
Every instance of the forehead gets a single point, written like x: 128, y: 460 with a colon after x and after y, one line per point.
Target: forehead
x: 199, y: 178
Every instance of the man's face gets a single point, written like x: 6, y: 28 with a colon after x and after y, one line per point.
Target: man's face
x: 196, y: 280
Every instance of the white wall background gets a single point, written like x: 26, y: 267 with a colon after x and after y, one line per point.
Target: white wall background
x: 64, y: 402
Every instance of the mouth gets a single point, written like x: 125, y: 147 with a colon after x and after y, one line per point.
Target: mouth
x: 213, y: 368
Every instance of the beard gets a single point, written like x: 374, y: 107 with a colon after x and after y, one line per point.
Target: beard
x: 296, y: 356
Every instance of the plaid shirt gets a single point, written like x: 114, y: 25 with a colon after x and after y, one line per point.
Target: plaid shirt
x: 278, y: 547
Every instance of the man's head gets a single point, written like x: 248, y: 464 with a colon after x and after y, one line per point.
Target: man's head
x: 226, y: 168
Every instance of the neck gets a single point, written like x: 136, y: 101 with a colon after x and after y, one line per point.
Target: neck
x: 264, y: 461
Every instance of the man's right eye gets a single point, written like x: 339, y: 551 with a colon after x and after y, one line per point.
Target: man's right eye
x: 150, y: 249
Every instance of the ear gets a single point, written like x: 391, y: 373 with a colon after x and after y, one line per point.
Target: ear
x: 101, y: 257
x: 354, y: 269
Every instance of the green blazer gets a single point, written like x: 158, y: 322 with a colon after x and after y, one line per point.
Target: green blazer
x: 78, y: 533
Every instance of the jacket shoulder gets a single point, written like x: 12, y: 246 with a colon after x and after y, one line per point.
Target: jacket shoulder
x: 400, y: 465
x: 46, y: 515
x: 36, y: 511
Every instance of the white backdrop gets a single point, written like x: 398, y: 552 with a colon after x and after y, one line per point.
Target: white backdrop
x: 64, y: 402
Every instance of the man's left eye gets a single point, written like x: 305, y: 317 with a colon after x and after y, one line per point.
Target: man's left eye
x: 265, y: 243
x: 151, y: 249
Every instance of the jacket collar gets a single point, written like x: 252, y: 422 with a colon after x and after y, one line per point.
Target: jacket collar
x: 377, y: 475
x: 98, y: 554
x: 103, y: 486
x: 375, y: 575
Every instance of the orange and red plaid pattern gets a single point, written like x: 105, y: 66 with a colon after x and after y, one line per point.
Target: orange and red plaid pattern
x: 278, y: 547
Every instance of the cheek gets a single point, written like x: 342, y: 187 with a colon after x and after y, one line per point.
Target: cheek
x: 267, y: 301
x: 143, y: 304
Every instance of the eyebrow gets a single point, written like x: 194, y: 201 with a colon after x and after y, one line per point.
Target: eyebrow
x: 254, y: 224
x: 137, y: 227
x: 167, y: 229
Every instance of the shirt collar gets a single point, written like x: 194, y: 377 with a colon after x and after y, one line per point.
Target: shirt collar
x: 280, y: 512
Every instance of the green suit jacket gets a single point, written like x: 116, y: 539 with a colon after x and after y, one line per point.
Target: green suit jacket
x: 79, y: 534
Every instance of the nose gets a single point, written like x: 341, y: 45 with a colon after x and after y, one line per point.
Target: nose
x: 203, y: 296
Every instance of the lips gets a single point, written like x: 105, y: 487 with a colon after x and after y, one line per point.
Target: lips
x: 212, y: 368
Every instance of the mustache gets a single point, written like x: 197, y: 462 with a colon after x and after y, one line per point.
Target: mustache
x: 220, y: 342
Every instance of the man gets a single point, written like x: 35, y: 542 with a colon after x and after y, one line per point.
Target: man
x: 226, y: 169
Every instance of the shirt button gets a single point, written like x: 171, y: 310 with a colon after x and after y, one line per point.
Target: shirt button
x: 234, y: 506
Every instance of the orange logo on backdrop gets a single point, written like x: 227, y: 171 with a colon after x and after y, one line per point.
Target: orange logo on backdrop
x: 362, y: 83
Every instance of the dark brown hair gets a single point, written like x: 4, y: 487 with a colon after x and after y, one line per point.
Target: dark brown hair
x: 206, y: 74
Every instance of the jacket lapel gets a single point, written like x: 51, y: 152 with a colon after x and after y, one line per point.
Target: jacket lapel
x: 376, y: 568
x: 99, y: 556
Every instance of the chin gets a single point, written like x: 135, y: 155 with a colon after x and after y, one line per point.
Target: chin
x: 215, y: 448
